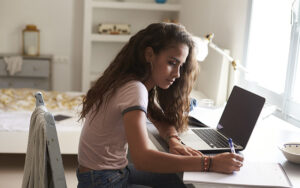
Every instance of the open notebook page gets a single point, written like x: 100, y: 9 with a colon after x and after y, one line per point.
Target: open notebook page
x: 252, y: 174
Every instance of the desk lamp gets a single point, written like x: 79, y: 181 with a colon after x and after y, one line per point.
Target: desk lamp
x: 202, y: 51
x: 202, y: 44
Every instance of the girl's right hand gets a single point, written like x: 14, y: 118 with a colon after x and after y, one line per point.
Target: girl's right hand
x: 226, y: 163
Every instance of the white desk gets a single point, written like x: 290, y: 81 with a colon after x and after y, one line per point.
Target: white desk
x: 262, y: 146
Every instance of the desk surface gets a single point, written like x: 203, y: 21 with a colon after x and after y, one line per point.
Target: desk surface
x: 267, y: 135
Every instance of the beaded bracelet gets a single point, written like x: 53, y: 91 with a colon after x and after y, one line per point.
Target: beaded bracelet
x: 206, y: 163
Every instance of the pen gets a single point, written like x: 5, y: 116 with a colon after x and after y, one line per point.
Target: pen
x: 231, y: 145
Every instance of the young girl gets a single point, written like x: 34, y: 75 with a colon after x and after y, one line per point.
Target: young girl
x: 151, y: 77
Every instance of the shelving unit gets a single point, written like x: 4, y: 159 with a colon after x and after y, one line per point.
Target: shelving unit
x: 98, y: 49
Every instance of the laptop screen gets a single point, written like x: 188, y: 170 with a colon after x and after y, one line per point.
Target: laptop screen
x: 240, y: 115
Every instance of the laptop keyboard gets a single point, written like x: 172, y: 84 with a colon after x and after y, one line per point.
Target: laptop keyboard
x: 212, y: 138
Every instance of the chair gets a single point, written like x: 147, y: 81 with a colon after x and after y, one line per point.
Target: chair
x: 43, y: 163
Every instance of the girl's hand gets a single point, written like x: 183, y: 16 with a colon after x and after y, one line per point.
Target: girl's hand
x: 226, y: 163
x: 176, y: 147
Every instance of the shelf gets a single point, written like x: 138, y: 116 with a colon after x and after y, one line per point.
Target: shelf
x: 137, y: 6
x: 100, y: 49
x: 109, y: 38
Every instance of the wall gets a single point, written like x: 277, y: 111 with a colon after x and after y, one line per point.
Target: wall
x: 60, y: 24
x: 227, y: 20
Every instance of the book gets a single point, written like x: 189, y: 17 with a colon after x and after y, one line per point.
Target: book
x: 251, y: 174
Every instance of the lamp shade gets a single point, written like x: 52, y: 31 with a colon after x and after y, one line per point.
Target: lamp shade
x: 201, y: 48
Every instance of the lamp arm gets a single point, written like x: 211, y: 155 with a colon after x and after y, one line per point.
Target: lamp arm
x: 235, y: 64
x: 221, y: 51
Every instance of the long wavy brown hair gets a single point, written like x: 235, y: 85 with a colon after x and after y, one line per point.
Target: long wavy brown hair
x: 169, y: 105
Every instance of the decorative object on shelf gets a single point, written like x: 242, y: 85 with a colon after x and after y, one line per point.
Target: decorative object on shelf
x: 31, y: 41
x: 168, y: 20
x: 160, y: 1
x: 114, y: 29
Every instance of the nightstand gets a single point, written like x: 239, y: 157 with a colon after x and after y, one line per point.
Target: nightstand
x: 35, y: 73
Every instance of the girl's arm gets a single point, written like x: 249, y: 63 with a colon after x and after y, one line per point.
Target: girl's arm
x: 175, y: 146
x: 164, y: 129
x: 146, y: 159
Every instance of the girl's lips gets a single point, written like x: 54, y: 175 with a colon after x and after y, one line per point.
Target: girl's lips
x: 171, y: 81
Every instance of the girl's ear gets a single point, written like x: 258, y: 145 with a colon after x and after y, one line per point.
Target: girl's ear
x: 149, y: 54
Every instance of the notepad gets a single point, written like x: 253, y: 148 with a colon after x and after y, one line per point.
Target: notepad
x: 251, y: 174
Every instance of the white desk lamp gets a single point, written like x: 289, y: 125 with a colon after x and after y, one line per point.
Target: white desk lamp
x: 202, y: 45
x: 202, y: 51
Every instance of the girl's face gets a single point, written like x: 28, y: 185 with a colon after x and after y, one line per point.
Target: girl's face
x: 165, y: 65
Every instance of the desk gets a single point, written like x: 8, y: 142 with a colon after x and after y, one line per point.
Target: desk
x: 267, y: 135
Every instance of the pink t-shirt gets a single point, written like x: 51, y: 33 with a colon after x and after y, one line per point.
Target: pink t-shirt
x: 103, y: 143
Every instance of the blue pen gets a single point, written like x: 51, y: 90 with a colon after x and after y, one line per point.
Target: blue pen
x: 231, y: 145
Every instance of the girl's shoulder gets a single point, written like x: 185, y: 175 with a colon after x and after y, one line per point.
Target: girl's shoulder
x: 134, y: 84
x: 133, y: 88
x: 132, y: 93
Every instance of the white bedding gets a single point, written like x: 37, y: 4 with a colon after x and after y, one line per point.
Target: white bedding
x: 16, y: 107
x: 20, y: 120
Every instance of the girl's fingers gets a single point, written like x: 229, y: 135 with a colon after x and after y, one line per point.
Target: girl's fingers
x: 238, y: 164
x: 175, y: 152
x: 239, y: 157
x: 181, y: 151
x: 186, y: 152
x: 196, y: 152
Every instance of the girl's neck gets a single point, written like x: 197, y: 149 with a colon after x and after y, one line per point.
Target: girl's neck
x: 149, y: 84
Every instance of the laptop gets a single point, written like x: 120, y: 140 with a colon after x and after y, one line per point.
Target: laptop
x: 237, y: 122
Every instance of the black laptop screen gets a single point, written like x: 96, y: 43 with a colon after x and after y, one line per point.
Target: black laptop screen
x: 240, y: 115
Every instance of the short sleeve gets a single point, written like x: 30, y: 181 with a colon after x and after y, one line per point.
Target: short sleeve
x: 132, y: 96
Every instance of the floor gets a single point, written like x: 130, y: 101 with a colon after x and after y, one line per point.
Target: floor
x: 12, y: 165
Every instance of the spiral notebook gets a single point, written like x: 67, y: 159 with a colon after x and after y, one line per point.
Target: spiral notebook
x: 251, y: 174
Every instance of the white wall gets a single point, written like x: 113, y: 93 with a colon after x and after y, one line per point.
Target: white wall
x: 60, y: 24
x: 227, y: 19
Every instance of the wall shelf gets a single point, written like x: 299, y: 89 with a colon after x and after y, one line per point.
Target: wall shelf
x: 100, y: 49
x: 136, y: 6
x: 109, y: 38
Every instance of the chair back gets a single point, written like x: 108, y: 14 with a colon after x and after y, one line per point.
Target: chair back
x: 43, y: 147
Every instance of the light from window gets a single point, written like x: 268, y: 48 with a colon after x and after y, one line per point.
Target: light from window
x: 268, y: 44
x: 296, y: 92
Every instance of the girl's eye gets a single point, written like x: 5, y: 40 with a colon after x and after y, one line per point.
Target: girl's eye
x: 172, y: 63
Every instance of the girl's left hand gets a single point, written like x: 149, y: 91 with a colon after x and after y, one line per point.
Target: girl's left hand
x: 176, y: 147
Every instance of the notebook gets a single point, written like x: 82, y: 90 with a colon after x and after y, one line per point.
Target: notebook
x: 237, y: 122
x: 260, y: 174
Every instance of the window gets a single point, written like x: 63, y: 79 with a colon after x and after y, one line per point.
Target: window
x: 272, y: 54
x: 296, y: 93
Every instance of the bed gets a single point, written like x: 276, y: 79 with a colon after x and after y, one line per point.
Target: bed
x: 16, y: 106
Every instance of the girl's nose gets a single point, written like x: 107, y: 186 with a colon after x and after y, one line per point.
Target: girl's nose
x: 177, y: 72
